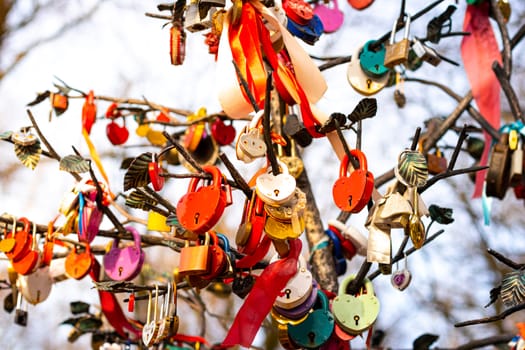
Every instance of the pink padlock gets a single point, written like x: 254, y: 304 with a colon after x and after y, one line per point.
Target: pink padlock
x: 124, y: 264
x: 330, y: 15
x: 90, y: 217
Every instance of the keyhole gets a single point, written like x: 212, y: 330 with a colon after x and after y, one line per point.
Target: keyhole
x: 276, y: 192
x: 377, y: 67
x: 196, y: 217
x: 311, y: 337
x: 350, y: 200
x: 368, y: 83
x: 356, y: 319
x: 288, y: 291
x: 120, y: 269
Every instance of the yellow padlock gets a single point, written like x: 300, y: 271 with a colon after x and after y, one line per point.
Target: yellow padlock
x: 157, y: 222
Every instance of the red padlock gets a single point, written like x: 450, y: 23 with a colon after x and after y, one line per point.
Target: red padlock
x: 349, y: 250
x: 117, y: 134
x: 254, y: 222
x: 222, y: 133
x: 351, y: 193
x: 154, y: 168
x: 28, y: 263
x: 200, y: 209
x: 217, y: 258
x: 298, y: 11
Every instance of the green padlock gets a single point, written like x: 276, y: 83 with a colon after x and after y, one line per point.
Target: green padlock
x: 316, y: 328
x: 372, y: 60
x: 474, y: 2
x: 355, y: 314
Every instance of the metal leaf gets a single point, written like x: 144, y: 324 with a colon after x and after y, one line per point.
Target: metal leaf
x: 412, y: 169
x: 39, y: 98
x: 139, y: 200
x: 79, y: 307
x: 366, y: 108
x: 137, y: 173
x: 111, y: 285
x: 29, y: 155
x: 513, y: 288
x: 74, y: 163
x: 441, y: 215
x: 6, y: 135
x: 424, y: 341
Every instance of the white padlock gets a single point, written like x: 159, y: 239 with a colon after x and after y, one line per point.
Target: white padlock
x: 298, y: 288
x: 276, y: 189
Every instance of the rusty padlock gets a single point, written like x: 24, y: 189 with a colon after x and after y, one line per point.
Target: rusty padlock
x: 352, y: 192
x: 201, y: 208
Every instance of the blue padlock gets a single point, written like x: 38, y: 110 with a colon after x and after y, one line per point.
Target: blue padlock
x: 224, y: 243
x: 372, y: 61
x: 317, y: 328
x: 339, y: 258
x: 309, y: 33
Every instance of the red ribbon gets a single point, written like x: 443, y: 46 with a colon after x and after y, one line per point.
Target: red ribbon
x: 250, y: 260
x: 261, y: 298
x: 111, y: 308
x: 479, y: 50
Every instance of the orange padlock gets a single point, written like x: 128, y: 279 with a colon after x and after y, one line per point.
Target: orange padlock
x: 351, y: 193
x: 28, y: 263
x: 194, y: 260
x: 200, y: 209
x: 78, y: 265
x: 22, y: 241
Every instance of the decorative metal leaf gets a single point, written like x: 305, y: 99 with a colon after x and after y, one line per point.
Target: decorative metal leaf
x: 494, y: 295
x: 137, y: 173
x: 172, y: 220
x: 29, y: 155
x: 79, y: 307
x: 138, y: 200
x: 513, y: 288
x: 412, y: 169
x: 74, y: 163
x: 330, y: 125
x: 39, y: 98
x: 366, y: 108
x: 6, y: 135
x: 424, y: 341
x: 441, y: 215
x: 126, y: 162
x: 110, y: 286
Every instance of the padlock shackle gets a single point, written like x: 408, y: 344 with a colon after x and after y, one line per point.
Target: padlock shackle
x: 343, y: 169
x: 26, y: 222
x: 210, y: 169
x: 367, y: 284
x: 394, y: 28
x: 136, y: 236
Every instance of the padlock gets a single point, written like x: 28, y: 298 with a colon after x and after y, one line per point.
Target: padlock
x: 154, y: 170
x: 24, y: 137
x: 124, y: 264
x: 217, y: 258
x: 298, y: 11
x: 516, y: 163
x: 300, y: 311
x: 360, y: 81
x: 242, y: 285
x: 415, y: 228
x: 360, y: 4
x: 284, y: 337
x: 293, y: 162
x: 164, y: 319
x: 298, y: 287
x: 397, y: 52
x: 330, y: 14
x: 436, y: 162
x: 59, y: 102
x: 425, y: 53
x: 224, y: 243
x: 207, y: 153
x: 22, y: 239
x: 275, y: 189
x: 337, y: 252
x: 177, y: 46
x: 281, y: 229
x: 194, y: 260
x: 77, y: 265
x: 372, y: 60
x: 294, y: 128
x: 497, y: 178
x: 355, y: 314
x: 309, y: 32
x: 352, y: 240
x: 117, y: 134
x: 379, y: 248
x: 317, y: 328
x: 352, y: 193
x: 224, y: 134
x: 20, y: 314
x: 151, y: 327
x: 401, y: 278
x: 196, y: 20
x: 200, y: 209
x: 89, y: 217
x: 252, y: 225
x: 36, y: 286
x: 28, y: 263
x: 393, y: 210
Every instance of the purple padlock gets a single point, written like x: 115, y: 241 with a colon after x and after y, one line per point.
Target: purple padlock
x: 124, y: 264
x: 299, y: 311
x: 331, y: 17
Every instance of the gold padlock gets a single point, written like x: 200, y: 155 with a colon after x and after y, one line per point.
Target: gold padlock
x: 194, y: 260
x: 397, y: 52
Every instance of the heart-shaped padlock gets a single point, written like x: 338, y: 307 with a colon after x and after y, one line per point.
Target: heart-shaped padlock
x: 36, y: 286
x: 89, y: 217
x: 24, y: 137
x: 316, y: 328
x: 275, y: 189
x: 242, y: 285
x: 301, y: 310
x: 372, y: 60
x: 222, y: 133
x: 309, y: 32
x: 28, y: 262
x: 124, y: 264
x: 355, y: 314
x: 251, y: 144
x: 337, y: 252
x: 154, y: 170
x: 22, y: 240
x: 117, y: 134
x: 77, y: 265
x: 401, y: 278
x: 352, y: 193
x: 298, y: 11
x: 298, y: 288
x: 282, y: 230
x: 252, y: 226
x: 361, y: 82
x: 200, y: 209
x: 360, y: 4
x: 331, y: 16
